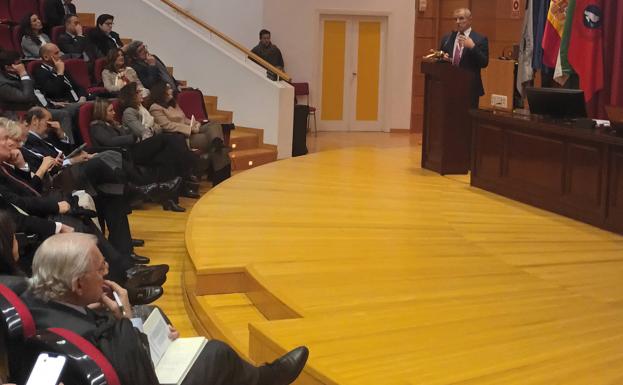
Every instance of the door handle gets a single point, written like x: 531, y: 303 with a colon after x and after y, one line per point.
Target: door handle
x: 354, y: 73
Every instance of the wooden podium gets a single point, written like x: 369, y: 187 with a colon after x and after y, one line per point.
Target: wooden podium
x: 447, y: 136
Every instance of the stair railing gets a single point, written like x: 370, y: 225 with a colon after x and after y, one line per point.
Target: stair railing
x: 280, y: 75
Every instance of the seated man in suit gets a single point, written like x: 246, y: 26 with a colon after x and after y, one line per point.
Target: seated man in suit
x: 149, y: 68
x: 17, y: 92
x: 468, y: 50
x: 103, y: 37
x: 73, y: 43
x: 55, y: 11
x: 53, y: 82
x: 46, y: 216
x: 68, y: 279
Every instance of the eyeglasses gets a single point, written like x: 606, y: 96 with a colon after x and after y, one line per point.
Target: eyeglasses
x: 109, y: 23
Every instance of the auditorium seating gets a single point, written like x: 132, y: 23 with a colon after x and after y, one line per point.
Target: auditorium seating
x: 6, y: 37
x: 85, y: 363
x: 17, y: 39
x: 5, y: 13
x: 79, y: 72
x: 97, y: 71
x: 56, y: 32
x: 20, y: 8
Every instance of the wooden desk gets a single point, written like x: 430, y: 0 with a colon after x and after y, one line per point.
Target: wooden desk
x: 574, y: 172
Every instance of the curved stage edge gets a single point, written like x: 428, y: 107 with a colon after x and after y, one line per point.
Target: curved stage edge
x: 391, y: 274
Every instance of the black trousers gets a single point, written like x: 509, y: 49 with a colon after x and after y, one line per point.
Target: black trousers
x: 168, y: 152
x: 218, y: 364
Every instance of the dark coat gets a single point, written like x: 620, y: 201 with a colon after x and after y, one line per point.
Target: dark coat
x: 102, y: 42
x: 55, y: 87
x: 74, y: 46
x: 16, y: 94
x: 54, y: 12
x: 106, y: 135
x: 473, y: 59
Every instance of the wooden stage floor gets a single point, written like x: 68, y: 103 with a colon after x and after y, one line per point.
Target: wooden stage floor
x: 391, y: 274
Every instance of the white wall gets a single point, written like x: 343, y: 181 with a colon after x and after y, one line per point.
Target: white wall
x: 295, y: 28
x: 239, y: 19
x: 207, y: 64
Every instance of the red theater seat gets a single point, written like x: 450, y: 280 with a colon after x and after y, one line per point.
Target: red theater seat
x: 56, y: 32
x: 6, y: 37
x: 191, y: 102
x: 20, y: 8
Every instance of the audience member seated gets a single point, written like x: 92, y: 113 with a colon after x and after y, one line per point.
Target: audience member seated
x: 103, y: 37
x: 72, y: 42
x: 33, y: 37
x: 55, y: 12
x: 149, y: 68
x: 116, y: 74
x: 103, y: 175
x: 17, y: 93
x: 44, y: 217
x: 106, y: 132
x: 53, y: 82
x: 137, y: 119
x: 206, y: 137
x: 68, y: 283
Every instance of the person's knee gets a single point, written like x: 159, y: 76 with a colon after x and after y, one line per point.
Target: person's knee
x: 220, y: 351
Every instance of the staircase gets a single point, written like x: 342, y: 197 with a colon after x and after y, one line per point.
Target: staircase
x: 248, y: 147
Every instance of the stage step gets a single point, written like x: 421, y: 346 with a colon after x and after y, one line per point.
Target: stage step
x: 236, y: 311
x: 246, y: 159
x: 241, y: 140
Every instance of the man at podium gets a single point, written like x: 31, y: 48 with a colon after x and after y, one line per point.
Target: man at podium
x: 467, y: 49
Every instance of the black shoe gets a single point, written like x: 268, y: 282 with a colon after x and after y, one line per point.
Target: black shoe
x: 137, y: 242
x: 286, y: 369
x: 139, y: 259
x: 144, y: 191
x: 144, y: 295
x: 171, y: 185
x: 189, y: 192
x: 140, y: 276
x: 170, y: 205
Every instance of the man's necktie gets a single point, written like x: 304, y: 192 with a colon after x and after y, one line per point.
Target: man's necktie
x: 456, y: 56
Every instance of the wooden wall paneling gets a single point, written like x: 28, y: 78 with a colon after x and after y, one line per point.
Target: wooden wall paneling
x: 448, y: 6
x: 615, y: 195
x: 497, y: 79
x: 584, y: 179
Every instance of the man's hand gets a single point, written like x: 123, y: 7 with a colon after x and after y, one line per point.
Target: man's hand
x: 59, y: 104
x: 466, y: 42
x: 111, y: 304
x: 66, y: 229
x: 82, y: 99
x: 17, y: 159
x: 63, y: 207
x: 19, y: 69
x: 56, y: 127
x: 81, y: 157
x: 60, y: 66
x: 173, y: 333
x: 47, y: 163
x: 150, y: 59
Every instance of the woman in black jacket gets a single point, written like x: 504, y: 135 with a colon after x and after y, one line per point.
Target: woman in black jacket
x: 106, y: 132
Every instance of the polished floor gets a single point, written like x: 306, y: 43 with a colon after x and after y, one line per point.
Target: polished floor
x: 397, y: 275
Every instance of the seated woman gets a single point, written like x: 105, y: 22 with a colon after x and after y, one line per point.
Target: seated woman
x: 33, y: 37
x: 117, y: 74
x: 207, y: 138
x: 167, y: 151
x: 106, y: 132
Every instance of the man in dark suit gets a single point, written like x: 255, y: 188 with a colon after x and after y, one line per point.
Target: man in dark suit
x: 54, y: 12
x: 68, y: 276
x: 72, y: 42
x: 103, y: 37
x: 52, y: 80
x: 468, y: 50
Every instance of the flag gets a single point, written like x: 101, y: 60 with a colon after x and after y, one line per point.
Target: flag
x: 540, y: 9
x: 563, y: 69
x: 552, y: 34
x: 586, y: 45
x: 525, y: 72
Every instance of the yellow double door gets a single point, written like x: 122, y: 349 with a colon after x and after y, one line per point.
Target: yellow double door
x: 352, y: 64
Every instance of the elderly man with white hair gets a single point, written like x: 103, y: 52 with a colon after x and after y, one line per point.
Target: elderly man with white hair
x: 68, y: 282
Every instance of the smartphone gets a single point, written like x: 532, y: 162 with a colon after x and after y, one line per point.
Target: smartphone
x: 47, y: 369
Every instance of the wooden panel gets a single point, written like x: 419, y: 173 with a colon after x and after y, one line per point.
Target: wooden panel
x: 509, y: 30
x: 498, y: 79
x: 419, y: 105
x: 584, y: 174
x: 535, y: 161
x: 423, y: 46
x: 615, y: 201
x: 490, y: 144
x: 368, y: 71
x: 448, y: 7
x: 425, y: 28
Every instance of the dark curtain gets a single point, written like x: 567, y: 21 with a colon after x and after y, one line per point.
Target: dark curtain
x: 613, y: 61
